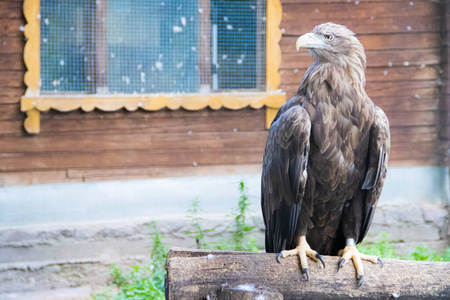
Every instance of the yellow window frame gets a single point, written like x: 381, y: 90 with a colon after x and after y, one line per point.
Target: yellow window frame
x: 32, y: 103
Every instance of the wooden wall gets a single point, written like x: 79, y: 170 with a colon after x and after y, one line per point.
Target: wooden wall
x: 402, y: 42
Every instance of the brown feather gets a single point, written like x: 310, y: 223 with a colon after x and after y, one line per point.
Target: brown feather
x: 326, y: 155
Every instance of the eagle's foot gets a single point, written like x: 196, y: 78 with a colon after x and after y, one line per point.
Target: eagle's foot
x: 303, y: 250
x: 350, y: 252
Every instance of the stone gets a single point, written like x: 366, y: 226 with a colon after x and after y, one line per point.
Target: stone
x: 403, y: 214
x: 435, y: 214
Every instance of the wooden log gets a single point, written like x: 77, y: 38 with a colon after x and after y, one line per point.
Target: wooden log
x: 201, y: 274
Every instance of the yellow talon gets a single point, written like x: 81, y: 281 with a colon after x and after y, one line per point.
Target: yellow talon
x: 303, y: 250
x: 351, y: 252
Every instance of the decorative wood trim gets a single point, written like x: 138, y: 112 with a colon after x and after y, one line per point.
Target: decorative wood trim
x: 273, y: 52
x: 32, y: 51
x: 32, y: 121
x: 273, y: 49
x: 153, y: 102
x: 32, y: 102
x: 270, y: 115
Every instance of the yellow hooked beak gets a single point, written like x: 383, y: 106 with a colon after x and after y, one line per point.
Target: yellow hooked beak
x: 309, y: 40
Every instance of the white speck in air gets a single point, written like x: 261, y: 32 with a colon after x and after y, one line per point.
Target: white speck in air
x: 406, y: 63
x: 177, y: 29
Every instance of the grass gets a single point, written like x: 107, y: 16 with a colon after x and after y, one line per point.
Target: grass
x: 140, y: 282
x: 147, y: 281
x: 384, y: 248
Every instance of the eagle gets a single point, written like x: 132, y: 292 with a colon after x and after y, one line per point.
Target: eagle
x: 326, y: 157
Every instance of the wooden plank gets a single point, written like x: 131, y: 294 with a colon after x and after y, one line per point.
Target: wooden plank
x: 178, y: 157
x: 424, y: 150
x: 114, y: 126
x: 96, y: 143
x: 375, y: 58
x: 415, y: 118
x: 12, y: 62
x: 99, y: 174
x: 11, y: 128
x: 11, y: 79
x: 380, y: 42
x: 35, y: 177
x: 11, y: 27
x: 418, y: 89
x: 346, y: 1
x: 413, y: 134
x: 11, y: 45
x: 158, y: 172
x: 405, y: 162
x: 11, y: 95
x: 234, y: 140
x: 366, y: 25
x: 181, y: 121
x: 11, y: 10
x: 365, y: 9
x: 10, y: 112
x: 411, y: 103
x: 375, y: 74
x: 165, y: 158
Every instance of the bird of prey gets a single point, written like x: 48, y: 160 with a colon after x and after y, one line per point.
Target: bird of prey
x: 326, y: 157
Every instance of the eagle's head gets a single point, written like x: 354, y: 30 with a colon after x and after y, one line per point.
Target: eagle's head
x: 332, y: 43
x: 338, y: 57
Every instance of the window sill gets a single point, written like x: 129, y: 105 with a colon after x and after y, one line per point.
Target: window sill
x: 33, y: 105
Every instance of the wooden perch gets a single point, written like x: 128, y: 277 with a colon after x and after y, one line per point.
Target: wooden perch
x: 205, y: 274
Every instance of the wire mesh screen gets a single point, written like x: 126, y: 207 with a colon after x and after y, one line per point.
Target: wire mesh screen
x: 148, y: 46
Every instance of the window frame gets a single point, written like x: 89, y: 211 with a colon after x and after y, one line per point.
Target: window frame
x: 32, y: 103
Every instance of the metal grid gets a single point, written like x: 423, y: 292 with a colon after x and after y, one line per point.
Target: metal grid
x: 148, y: 46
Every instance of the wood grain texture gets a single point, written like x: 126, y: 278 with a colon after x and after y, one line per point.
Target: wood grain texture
x: 375, y: 58
x: 202, y: 273
x: 380, y: 42
x: 367, y: 25
x: 89, y: 146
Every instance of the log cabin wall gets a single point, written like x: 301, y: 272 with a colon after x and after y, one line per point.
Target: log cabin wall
x: 403, y: 46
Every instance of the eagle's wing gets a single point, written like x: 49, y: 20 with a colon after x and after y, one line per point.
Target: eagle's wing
x: 284, y: 175
x: 379, y: 147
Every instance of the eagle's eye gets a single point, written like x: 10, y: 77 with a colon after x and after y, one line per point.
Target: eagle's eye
x: 328, y: 37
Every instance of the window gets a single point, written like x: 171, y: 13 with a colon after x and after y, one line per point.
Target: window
x: 110, y: 54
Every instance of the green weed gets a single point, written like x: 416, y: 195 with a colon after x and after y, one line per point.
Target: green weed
x: 384, y: 248
x: 240, y: 240
x: 198, y: 234
x: 141, y: 282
